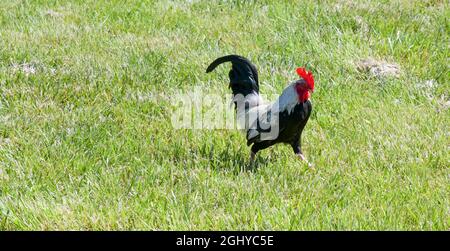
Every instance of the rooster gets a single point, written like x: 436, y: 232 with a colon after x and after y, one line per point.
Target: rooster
x: 268, y: 124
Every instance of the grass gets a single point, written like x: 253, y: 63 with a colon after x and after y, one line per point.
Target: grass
x: 86, y: 140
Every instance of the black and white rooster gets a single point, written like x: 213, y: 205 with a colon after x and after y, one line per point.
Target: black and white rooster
x: 267, y: 124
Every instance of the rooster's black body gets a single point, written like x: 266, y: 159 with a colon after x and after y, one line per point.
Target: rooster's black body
x: 290, y: 114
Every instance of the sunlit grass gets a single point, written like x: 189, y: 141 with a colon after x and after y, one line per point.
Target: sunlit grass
x: 84, y: 143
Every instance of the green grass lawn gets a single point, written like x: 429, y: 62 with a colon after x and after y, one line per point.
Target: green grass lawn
x: 86, y: 140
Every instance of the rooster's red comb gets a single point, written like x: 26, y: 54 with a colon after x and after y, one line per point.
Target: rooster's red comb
x: 307, y: 76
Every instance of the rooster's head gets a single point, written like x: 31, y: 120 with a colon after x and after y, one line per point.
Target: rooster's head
x: 304, y: 86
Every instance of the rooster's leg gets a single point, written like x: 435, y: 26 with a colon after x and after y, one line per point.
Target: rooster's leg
x: 301, y: 156
x: 298, y: 152
x: 252, y: 156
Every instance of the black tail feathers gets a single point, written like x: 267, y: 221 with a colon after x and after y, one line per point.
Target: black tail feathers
x: 243, y: 74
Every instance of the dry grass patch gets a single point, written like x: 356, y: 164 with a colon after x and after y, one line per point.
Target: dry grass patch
x: 378, y: 68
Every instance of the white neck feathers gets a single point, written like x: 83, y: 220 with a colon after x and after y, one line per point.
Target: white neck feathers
x: 288, y: 99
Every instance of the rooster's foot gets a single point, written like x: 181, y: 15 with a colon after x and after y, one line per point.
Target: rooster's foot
x: 303, y: 158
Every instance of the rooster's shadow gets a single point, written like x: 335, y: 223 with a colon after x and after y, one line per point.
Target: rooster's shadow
x: 237, y: 163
